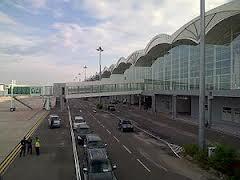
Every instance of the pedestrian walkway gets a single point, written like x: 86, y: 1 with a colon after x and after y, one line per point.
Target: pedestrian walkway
x: 55, y: 161
x: 14, y: 125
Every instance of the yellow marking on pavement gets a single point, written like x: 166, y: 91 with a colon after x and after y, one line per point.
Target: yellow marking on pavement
x: 13, y: 154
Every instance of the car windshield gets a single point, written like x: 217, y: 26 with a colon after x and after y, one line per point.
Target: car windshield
x: 100, y: 166
x: 92, y: 144
x: 55, y: 118
x: 83, y: 130
x: 79, y: 120
x: 126, y: 122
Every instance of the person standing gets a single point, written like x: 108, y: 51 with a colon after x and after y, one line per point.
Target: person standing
x: 37, y: 146
x: 23, y: 147
x: 29, y: 145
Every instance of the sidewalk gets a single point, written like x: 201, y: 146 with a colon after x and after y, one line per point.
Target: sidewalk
x: 14, y: 125
x: 56, y: 159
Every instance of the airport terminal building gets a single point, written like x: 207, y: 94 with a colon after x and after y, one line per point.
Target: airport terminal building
x: 166, y: 72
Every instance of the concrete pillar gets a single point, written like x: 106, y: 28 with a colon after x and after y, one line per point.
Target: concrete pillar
x: 154, y: 103
x: 47, y: 103
x: 130, y: 99
x: 209, y: 122
x: 61, y: 103
x: 139, y: 101
x: 174, y: 107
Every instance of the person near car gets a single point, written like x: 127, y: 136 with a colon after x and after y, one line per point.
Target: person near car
x: 37, y: 146
x: 29, y: 145
x: 23, y: 147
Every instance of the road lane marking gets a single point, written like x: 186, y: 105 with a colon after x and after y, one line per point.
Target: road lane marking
x: 145, y: 155
x: 127, y: 149
x: 150, y: 134
x: 108, y: 131
x: 116, y: 139
x: 144, y: 165
x: 13, y: 154
x: 75, y: 155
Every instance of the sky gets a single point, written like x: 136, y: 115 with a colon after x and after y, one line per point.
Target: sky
x: 47, y: 41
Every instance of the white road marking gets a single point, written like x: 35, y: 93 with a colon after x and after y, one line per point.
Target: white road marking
x: 143, y: 165
x: 108, y: 131
x: 116, y: 139
x: 127, y: 149
x: 150, y: 134
x: 75, y: 155
x: 152, y: 161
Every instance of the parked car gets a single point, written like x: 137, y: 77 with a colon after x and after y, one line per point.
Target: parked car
x: 111, y: 108
x: 125, y: 125
x: 93, y: 141
x: 77, y: 121
x: 97, y: 166
x: 80, y: 133
x: 54, y: 121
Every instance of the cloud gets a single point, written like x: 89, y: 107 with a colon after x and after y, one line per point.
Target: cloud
x: 37, y: 3
x: 120, y: 27
x: 5, y: 19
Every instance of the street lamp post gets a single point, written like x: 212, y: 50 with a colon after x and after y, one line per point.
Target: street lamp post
x: 100, y: 50
x: 79, y: 78
x: 201, y: 130
x: 85, y: 70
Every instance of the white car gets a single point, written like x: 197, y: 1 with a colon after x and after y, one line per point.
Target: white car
x: 77, y: 121
x: 54, y: 121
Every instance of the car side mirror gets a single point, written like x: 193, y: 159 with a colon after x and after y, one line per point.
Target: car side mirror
x: 85, y: 170
x: 114, y: 166
x: 105, y: 144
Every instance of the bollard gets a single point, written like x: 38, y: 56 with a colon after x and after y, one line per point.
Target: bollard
x: 211, y: 151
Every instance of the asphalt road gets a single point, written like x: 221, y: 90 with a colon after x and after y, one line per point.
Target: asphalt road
x: 136, y: 155
x: 56, y: 159
x: 174, y: 131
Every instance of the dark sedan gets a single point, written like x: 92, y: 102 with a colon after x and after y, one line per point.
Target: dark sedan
x: 125, y: 125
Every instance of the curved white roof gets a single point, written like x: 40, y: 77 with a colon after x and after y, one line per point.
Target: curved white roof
x: 190, y: 31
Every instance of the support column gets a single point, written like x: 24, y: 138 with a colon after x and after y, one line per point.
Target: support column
x: 139, y: 101
x: 130, y: 99
x: 154, y: 103
x: 174, y: 107
x: 61, y: 103
x: 210, y: 98
x: 47, y: 103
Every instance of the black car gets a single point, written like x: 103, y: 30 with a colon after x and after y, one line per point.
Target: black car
x: 93, y: 141
x: 97, y: 166
x: 80, y: 133
x: 125, y: 125
x: 111, y: 108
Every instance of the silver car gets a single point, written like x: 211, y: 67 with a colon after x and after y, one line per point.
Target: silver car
x: 54, y: 121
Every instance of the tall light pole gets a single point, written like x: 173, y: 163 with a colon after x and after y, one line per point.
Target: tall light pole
x: 201, y: 130
x: 79, y: 74
x: 85, y: 70
x: 100, y: 50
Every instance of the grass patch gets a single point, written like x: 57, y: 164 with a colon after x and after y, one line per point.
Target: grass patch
x: 225, y: 159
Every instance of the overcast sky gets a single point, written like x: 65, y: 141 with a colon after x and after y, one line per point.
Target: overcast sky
x: 46, y: 41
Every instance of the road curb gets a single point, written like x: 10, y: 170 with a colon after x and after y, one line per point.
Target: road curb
x: 13, y: 154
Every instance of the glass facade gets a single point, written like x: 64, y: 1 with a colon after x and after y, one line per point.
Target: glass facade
x: 179, y: 68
